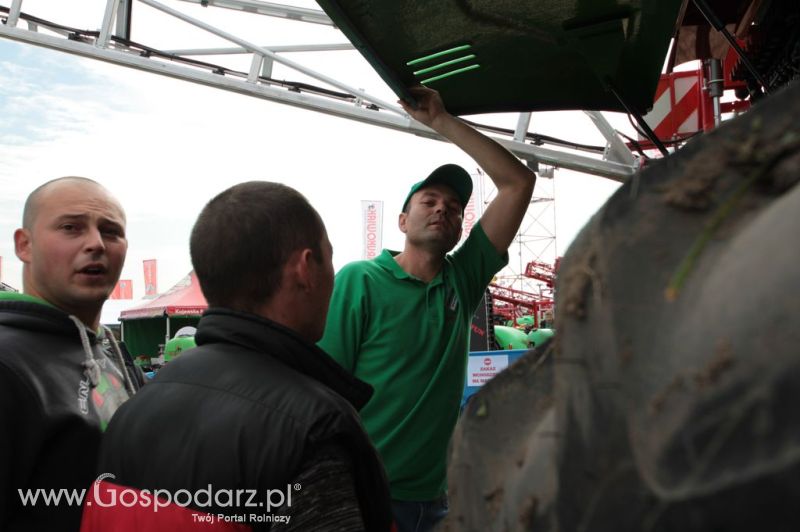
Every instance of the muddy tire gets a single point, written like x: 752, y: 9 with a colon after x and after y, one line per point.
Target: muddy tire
x: 668, y: 400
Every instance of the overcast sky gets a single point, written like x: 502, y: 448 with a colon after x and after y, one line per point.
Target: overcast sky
x: 165, y: 147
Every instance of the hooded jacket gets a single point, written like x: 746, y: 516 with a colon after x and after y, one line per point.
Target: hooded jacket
x: 243, y: 411
x: 58, y: 390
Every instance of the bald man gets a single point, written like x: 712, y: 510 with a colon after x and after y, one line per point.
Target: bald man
x: 58, y: 385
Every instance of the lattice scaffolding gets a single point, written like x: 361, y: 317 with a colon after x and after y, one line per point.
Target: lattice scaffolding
x: 536, y: 239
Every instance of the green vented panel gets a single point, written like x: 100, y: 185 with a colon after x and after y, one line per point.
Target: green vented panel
x: 511, y: 55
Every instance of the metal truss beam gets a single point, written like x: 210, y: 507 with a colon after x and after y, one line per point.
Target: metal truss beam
x: 377, y: 112
x: 335, y: 47
x: 314, y: 16
x: 616, y: 150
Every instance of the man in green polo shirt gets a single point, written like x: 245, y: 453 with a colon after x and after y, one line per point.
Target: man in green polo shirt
x: 401, y: 321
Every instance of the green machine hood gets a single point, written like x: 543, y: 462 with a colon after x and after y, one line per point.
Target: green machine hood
x: 514, y: 55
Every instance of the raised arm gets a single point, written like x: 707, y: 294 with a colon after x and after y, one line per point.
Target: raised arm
x: 514, y: 181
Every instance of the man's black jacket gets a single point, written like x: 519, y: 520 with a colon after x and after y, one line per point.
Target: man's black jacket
x: 244, y: 410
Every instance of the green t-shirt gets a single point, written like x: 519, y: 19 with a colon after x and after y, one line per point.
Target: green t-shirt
x: 409, y: 340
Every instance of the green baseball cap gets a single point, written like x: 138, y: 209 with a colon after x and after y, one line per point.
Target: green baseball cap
x: 450, y: 175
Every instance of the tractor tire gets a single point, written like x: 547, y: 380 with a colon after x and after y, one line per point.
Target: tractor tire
x: 666, y: 401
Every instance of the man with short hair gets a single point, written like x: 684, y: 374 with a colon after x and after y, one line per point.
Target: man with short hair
x: 58, y: 385
x: 256, y: 409
x: 401, y: 321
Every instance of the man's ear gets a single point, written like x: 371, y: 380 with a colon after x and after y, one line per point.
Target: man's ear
x: 22, y: 245
x: 401, y: 221
x: 304, y: 269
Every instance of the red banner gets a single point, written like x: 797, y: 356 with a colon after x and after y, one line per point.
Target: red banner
x: 474, y: 209
x: 150, y: 278
x: 372, y: 226
x: 123, y: 290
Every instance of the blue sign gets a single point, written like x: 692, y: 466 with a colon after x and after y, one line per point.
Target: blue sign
x: 482, y: 366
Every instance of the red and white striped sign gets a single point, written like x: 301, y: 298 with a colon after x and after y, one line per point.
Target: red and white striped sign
x: 680, y: 107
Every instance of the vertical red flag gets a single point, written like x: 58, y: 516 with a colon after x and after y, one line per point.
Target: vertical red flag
x: 474, y: 208
x: 150, y: 278
x: 123, y: 290
x: 372, y: 225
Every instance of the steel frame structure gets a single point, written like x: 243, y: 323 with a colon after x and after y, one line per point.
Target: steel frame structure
x: 111, y: 44
x: 536, y: 239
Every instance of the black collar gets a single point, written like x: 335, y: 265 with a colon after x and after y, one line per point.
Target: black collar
x: 222, y: 325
